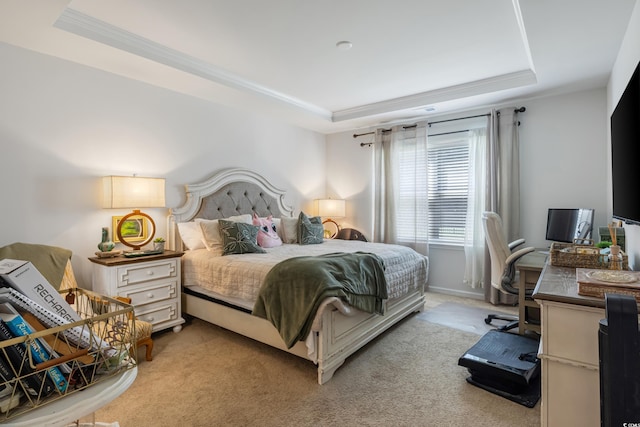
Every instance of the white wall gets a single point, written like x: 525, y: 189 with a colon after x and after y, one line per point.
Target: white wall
x: 63, y: 126
x: 562, y: 160
x: 626, y: 62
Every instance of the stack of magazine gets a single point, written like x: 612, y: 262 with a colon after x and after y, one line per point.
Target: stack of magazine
x: 48, y: 346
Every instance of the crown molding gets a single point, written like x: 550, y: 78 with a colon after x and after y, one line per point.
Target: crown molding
x: 94, y: 29
x: 478, y: 87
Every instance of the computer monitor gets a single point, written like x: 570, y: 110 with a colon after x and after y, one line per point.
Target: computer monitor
x: 569, y: 225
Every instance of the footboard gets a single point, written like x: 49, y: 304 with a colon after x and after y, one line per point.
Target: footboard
x: 341, y: 336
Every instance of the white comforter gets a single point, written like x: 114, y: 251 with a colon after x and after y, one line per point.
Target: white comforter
x: 237, y: 278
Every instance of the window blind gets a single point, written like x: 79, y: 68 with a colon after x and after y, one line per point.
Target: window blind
x: 448, y: 177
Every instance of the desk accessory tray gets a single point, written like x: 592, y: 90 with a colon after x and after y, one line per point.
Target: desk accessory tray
x: 595, y: 282
x: 569, y: 255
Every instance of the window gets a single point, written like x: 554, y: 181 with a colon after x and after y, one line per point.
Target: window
x: 439, y: 196
x: 448, y: 172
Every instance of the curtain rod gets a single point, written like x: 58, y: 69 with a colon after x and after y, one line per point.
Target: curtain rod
x: 355, y: 135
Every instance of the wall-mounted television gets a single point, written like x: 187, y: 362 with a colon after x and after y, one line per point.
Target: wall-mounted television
x: 569, y: 225
x: 625, y: 152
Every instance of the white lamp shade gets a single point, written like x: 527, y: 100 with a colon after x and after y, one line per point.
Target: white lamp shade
x: 133, y: 192
x: 331, y: 208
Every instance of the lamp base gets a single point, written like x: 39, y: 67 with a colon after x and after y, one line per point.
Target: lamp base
x: 332, y: 234
x: 137, y: 245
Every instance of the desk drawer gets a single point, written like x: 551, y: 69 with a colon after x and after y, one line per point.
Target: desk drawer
x: 571, y: 332
x: 140, y: 273
x: 570, y: 395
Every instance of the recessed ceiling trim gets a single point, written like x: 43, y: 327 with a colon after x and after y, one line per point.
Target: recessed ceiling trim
x: 86, y: 26
x: 478, y: 87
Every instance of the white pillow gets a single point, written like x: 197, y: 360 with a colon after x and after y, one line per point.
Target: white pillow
x: 289, y: 227
x: 191, y: 235
x: 211, y: 230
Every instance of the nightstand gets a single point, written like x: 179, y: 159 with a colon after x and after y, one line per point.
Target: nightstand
x: 152, y: 282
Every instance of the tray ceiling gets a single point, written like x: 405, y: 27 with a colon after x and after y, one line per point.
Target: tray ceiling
x: 409, y: 58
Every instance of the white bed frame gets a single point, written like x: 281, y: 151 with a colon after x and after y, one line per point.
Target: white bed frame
x: 340, y: 335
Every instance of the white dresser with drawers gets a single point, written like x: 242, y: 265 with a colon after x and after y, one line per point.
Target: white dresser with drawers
x: 152, y: 282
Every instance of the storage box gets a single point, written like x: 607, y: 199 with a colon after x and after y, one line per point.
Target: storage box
x: 98, y: 347
x: 596, y: 283
x: 24, y: 277
x: 569, y: 255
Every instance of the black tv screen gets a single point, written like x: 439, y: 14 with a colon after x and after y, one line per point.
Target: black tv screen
x: 625, y: 152
x: 567, y: 225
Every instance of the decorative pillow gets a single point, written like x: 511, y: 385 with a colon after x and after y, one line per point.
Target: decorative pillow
x: 191, y: 235
x: 277, y: 222
x: 210, y: 229
x: 239, y: 238
x: 289, y: 229
x: 267, y: 232
x: 310, y: 229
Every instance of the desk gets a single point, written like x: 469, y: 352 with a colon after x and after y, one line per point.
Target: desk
x: 530, y: 266
x: 568, y: 350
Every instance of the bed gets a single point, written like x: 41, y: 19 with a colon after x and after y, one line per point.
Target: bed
x: 222, y: 289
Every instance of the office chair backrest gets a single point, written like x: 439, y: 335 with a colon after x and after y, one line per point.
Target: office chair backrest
x: 498, y: 247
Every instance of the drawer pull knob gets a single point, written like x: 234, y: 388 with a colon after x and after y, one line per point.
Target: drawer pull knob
x: 150, y: 273
x: 149, y: 295
x: 150, y: 319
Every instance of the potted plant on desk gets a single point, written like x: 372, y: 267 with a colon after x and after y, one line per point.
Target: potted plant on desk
x: 158, y: 244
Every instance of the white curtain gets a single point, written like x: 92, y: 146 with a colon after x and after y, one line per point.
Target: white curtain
x: 384, y: 191
x: 401, y: 150
x: 474, y: 242
x: 503, y: 178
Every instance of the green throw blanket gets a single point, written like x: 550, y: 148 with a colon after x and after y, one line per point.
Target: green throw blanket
x: 49, y: 260
x: 293, y: 289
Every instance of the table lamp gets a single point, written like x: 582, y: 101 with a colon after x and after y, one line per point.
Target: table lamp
x: 133, y: 192
x: 331, y: 208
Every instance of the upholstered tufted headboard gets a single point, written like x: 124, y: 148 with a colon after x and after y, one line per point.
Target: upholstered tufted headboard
x: 227, y: 193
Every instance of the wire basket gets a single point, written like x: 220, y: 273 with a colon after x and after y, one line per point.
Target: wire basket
x: 570, y: 255
x: 76, y: 355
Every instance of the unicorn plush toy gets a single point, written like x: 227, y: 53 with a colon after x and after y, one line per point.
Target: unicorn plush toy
x: 267, y: 235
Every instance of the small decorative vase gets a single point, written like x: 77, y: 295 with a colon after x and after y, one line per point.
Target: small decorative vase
x: 106, y: 244
x: 158, y: 246
x: 615, y: 258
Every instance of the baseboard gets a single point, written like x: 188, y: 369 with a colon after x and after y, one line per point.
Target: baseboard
x: 456, y: 292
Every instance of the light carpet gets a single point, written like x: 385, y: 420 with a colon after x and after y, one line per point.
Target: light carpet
x: 207, y: 376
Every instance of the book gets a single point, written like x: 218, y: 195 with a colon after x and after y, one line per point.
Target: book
x: 80, y: 335
x: 33, y: 382
x: 58, y: 343
x: 25, y: 278
x: 19, y: 327
x: 10, y: 393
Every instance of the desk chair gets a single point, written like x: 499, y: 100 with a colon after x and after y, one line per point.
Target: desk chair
x: 503, y: 259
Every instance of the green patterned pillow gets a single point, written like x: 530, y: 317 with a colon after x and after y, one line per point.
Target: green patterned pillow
x: 239, y: 238
x: 310, y: 230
